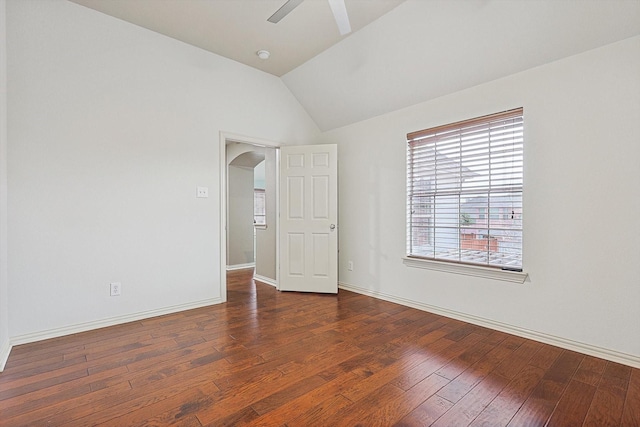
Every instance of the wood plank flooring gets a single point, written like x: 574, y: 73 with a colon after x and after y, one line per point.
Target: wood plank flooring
x: 266, y: 358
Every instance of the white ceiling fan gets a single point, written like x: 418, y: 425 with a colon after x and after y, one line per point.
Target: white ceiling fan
x: 337, y: 7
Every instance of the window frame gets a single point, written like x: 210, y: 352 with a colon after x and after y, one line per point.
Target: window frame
x: 259, y: 193
x: 418, y: 143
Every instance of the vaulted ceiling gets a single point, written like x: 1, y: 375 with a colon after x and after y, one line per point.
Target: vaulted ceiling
x: 238, y: 29
x: 400, y: 52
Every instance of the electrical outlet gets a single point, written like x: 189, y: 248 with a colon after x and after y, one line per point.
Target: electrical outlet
x: 350, y: 266
x: 202, y: 192
x: 115, y: 289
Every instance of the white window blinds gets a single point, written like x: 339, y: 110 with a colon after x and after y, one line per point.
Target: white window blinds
x: 259, y: 207
x: 464, y: 191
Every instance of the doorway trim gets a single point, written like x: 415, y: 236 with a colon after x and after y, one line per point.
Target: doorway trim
x: 258, y: 142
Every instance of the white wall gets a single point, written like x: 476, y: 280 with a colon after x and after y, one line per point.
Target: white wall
x: 581, y: 206
x: 259, y: 176
x: 4, y: 305
x: 240, y: 219
x: 110, y: 129
x: 266, y: 246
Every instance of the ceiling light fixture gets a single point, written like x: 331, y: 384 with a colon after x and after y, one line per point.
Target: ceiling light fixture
x: 263, y: 54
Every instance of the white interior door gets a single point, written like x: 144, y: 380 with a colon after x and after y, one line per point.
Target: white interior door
x: 308, y: 218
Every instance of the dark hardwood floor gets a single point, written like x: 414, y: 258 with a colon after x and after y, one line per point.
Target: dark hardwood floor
x: 273, y: 359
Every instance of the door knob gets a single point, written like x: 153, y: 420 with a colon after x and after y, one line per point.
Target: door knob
x: 332, y: 226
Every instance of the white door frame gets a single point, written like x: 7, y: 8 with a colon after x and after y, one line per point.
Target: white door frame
x: 224, y: 138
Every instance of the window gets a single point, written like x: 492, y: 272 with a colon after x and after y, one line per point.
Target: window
x: 464, y: 191
x: 259, y: 207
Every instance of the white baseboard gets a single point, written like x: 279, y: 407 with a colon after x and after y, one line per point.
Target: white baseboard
x: 88, y: 326
x: 241, y: 266
x: 591, y: 350
x: 5, y: 350
x: 266, y: 280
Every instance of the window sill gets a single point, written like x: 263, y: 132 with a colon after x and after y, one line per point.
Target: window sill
x: 260, y: 226
x: 466, y: 269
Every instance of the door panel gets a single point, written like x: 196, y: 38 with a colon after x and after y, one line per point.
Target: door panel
x: 295, y: 201
x: 308, y: 221
x: 296, y: 251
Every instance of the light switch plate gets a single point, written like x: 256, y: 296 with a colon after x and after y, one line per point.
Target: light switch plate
x: 202, y: 192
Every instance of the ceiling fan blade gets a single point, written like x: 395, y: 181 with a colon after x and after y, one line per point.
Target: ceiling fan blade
x: 284, y: 10
x: 340, y: 13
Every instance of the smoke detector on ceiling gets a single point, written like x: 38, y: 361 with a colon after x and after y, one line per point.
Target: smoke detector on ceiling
x: 263, y: 54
